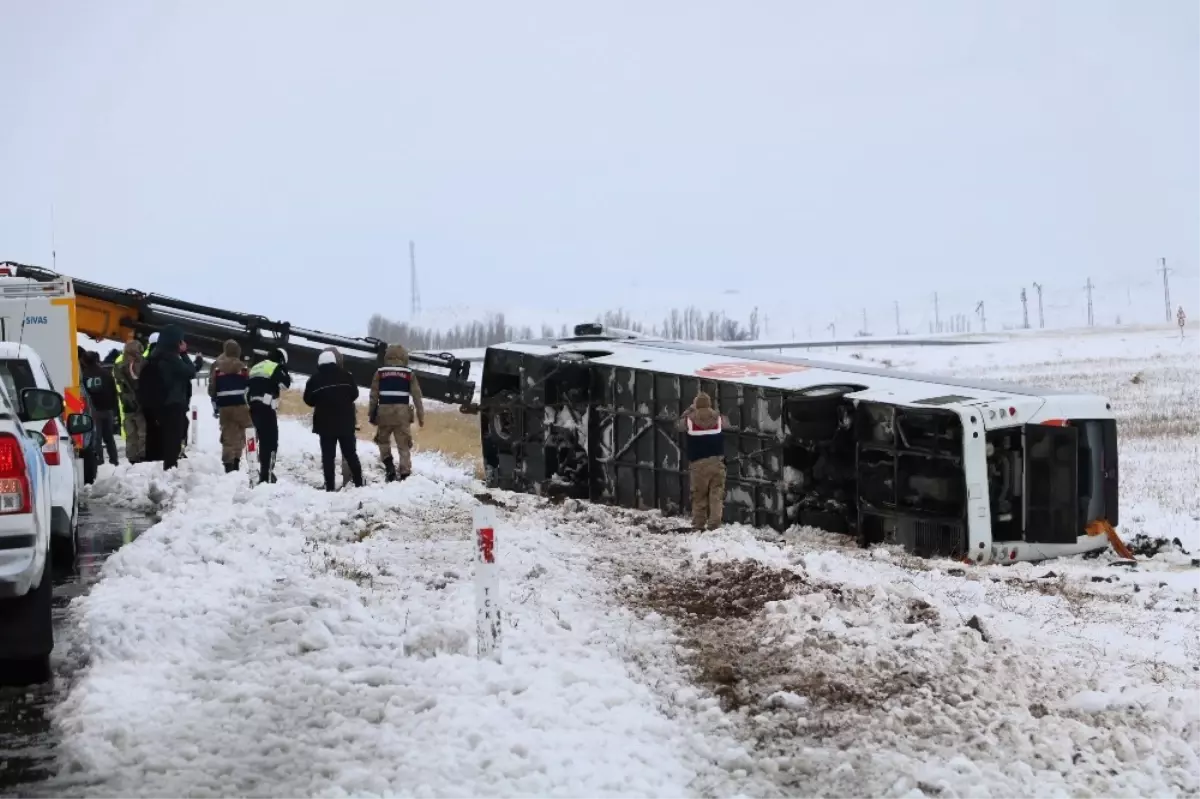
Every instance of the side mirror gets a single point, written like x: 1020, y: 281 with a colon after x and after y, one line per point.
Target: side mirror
x: 39, y: 404
x: 37, y: 437
x: 79, y: 424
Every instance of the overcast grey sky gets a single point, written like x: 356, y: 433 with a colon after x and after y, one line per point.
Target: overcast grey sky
x: 277, y: 156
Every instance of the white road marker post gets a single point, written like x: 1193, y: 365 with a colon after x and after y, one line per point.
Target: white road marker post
x: 195, y: 426
x: 487, y: 584
x: 251, y: 449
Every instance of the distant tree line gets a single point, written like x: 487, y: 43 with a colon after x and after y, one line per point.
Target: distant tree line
x: 687, y: 324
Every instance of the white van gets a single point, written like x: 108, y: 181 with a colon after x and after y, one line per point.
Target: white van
x: 40, y: 317
x: 26, y: 629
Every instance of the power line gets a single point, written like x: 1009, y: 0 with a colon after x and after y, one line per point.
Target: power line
x: 1166, y: 287
x: 412, y: 270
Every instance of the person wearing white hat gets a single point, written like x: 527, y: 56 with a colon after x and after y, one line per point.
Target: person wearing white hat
x: 331, y: 393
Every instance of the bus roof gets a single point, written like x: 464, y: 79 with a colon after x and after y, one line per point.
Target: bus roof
x: 766, y: 369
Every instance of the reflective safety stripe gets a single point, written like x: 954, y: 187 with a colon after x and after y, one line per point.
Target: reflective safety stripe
x: 233, y: 392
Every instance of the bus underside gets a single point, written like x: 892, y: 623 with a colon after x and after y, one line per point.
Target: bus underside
x: 563, y: 425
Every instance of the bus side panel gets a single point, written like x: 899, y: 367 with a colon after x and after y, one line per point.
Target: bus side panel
x: 640, y: 461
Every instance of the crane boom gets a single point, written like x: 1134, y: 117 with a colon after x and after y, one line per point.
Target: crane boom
x: 112, y: 314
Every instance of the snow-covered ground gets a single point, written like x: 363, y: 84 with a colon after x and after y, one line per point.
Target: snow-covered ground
x: 282, y: 641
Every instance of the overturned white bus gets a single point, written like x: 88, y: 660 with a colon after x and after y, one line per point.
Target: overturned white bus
x: 984, y: 472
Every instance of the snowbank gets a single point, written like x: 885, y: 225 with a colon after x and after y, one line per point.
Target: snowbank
x: 290, y: 642
x: 284, y: 641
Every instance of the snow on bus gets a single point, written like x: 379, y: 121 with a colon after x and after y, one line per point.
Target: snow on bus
x: 972, y: 470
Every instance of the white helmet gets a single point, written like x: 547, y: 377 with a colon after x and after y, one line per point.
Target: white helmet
x: 154, y: 337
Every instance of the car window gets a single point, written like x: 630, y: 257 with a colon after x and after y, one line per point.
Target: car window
x: 15, y: 375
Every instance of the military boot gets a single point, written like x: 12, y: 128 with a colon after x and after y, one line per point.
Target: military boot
x: 230, y: 466
x: 389, y: 470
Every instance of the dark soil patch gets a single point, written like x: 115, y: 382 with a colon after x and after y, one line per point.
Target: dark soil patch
x: 1147, y: 547
x: 723, y: 590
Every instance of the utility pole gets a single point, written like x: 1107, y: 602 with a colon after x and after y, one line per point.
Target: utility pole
x: 412, y: 270
x: 1041, y: 316
x: 864, y: 330
x: 832, y: 329
x: 897, y: 304
x: 937, y: 320
x: 982, y: 316
x: 1166, y: 287
x: 1088, y: 287
x: 1024, y: 309
x: 54, y: 248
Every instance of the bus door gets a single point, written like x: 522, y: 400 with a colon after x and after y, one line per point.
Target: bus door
x: 1052, y: 484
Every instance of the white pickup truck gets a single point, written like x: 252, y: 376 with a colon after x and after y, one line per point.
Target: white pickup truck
x: 26, y: 632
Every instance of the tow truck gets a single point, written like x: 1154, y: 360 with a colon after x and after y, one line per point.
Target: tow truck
x: 106, y: 313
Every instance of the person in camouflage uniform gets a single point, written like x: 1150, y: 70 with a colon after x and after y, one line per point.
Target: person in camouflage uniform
x: 395, y: 402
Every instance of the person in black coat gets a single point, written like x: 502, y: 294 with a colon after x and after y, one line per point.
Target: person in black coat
x: 164, y: 388
x: 331, y: 393
x: 103, y: 390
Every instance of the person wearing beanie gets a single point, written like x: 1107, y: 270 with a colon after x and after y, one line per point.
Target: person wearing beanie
x: 267, y: 379
x: 705, y: 429
x: 331, y: 393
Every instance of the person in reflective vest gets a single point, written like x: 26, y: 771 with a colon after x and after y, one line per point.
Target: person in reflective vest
x: 395, y: 398
x: 227, y: 388
x: 705, y: 430
x: 267, y: 379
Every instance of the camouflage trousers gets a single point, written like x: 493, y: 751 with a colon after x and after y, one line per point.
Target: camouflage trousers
x: 708, y: 492
x: 234, y: 420
x: 135, y: 435
x: 402, y: 433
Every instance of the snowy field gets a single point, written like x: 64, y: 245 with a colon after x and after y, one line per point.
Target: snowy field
x: 281, y: 641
